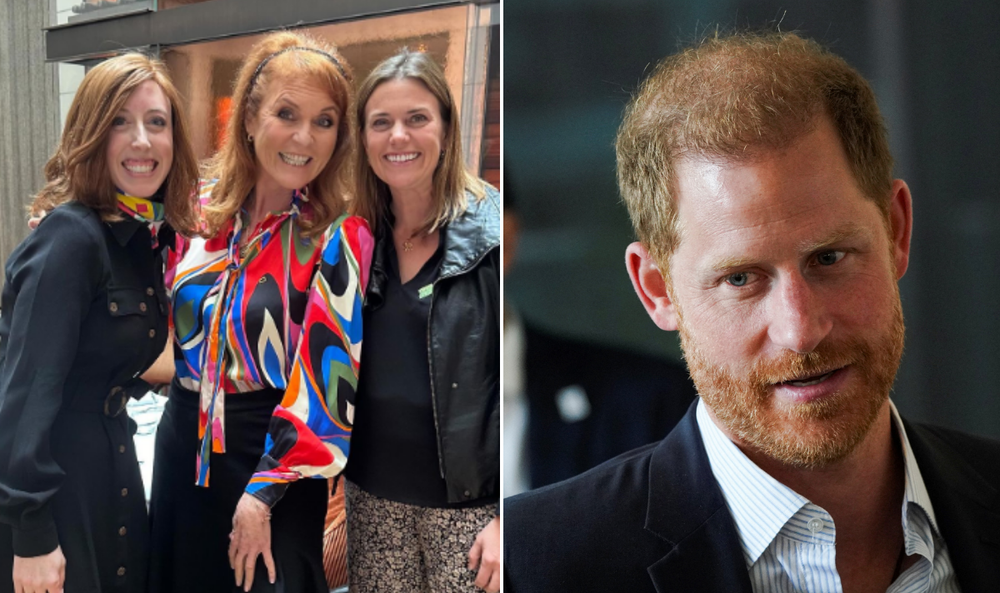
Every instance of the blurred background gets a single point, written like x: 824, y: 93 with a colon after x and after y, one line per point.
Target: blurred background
x: 569, y: 69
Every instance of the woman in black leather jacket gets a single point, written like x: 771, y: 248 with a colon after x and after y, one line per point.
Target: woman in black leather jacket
x: 424, y: 470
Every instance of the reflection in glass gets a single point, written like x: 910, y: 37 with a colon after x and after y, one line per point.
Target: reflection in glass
x: 77, y: 11
x: 205, y: 72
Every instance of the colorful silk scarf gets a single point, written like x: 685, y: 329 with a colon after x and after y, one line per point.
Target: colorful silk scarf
x: 211, y: 418
x: 145, y: 211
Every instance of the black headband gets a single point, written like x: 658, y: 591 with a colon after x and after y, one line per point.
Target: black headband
x: 256, y: 73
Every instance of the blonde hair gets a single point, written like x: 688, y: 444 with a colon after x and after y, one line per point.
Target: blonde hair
x: 451, y: 178
x: 273, y: 59
x: 79, y: 168
x: 732, y: 97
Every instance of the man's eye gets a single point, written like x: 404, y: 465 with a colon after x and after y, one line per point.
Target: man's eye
x: 738, y: 279
x: 828, y: 258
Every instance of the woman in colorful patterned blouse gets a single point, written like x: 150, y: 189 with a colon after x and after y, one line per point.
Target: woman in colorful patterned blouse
x: 425, y: 466
x: 267, y: 326
x: 84, y: 313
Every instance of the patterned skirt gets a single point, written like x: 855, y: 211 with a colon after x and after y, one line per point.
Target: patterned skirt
x: 191, y: 525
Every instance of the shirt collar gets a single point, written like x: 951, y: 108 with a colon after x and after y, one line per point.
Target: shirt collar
x: 920, y: 527
x: 295, y: 207
x: 124, y: 229
x: 761, y: 505
x: 748, y: 490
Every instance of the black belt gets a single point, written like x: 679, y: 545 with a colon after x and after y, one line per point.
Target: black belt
x: 111, y: 406
x: 115, y: 402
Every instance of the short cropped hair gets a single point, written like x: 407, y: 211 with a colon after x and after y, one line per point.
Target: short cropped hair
x: 732, y: 97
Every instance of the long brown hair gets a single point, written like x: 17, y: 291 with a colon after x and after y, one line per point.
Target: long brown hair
x: 451, y: 178
x: 79, y: 169
x: 235, y: 165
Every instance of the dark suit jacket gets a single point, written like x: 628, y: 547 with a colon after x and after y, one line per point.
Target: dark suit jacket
x: 654, y: 519
x: 635, y: 399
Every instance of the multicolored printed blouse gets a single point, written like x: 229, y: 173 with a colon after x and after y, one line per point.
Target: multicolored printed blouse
x: 282, y: 312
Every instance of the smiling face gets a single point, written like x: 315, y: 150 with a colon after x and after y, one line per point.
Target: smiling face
x: 784, y: 288
x: 294, y: 134
x: 403, y: 135
x: 141, y: 142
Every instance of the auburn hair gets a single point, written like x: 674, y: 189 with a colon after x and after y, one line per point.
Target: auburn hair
x: 272, y: 60
x: 79, y: 169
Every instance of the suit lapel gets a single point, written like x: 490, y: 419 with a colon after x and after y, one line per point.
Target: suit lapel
x: 687, y: 509
x: 706, y: 561
x: 966, y: 505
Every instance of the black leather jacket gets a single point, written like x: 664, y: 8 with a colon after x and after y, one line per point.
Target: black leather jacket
x: 463, y: 346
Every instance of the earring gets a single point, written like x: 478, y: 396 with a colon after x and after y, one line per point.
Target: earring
x: 250, y: 138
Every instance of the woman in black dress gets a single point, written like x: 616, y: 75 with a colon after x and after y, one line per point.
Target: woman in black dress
x: 84, y: 314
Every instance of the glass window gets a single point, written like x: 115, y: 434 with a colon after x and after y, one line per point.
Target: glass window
x: 71, y: 12
x: 168, y: 4
x: 490, y: 161
x: 457, y: 37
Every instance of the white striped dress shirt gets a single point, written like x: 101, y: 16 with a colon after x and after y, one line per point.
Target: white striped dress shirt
x: 789, y: 542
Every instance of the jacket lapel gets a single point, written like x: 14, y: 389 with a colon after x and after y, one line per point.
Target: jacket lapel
x: 471, y: 235
x: 967, y: 506
x: 687, y: 509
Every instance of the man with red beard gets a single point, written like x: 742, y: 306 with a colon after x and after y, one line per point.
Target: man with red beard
x: 757, y: 173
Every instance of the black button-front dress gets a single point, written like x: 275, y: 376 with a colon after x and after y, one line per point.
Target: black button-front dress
x: 83, y: 314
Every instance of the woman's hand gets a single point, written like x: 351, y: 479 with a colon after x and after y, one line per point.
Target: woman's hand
x: 485, y: 555
x: 40, y: 574
x: 251, y: 537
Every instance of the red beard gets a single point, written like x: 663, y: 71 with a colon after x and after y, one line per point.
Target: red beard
x: 812, y: 434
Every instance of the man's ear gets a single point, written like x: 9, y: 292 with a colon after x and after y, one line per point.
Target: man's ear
x: 650, y: 287
x: 901, y: 219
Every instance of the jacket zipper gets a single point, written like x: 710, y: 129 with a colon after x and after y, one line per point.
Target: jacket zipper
x: 430, y: 357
